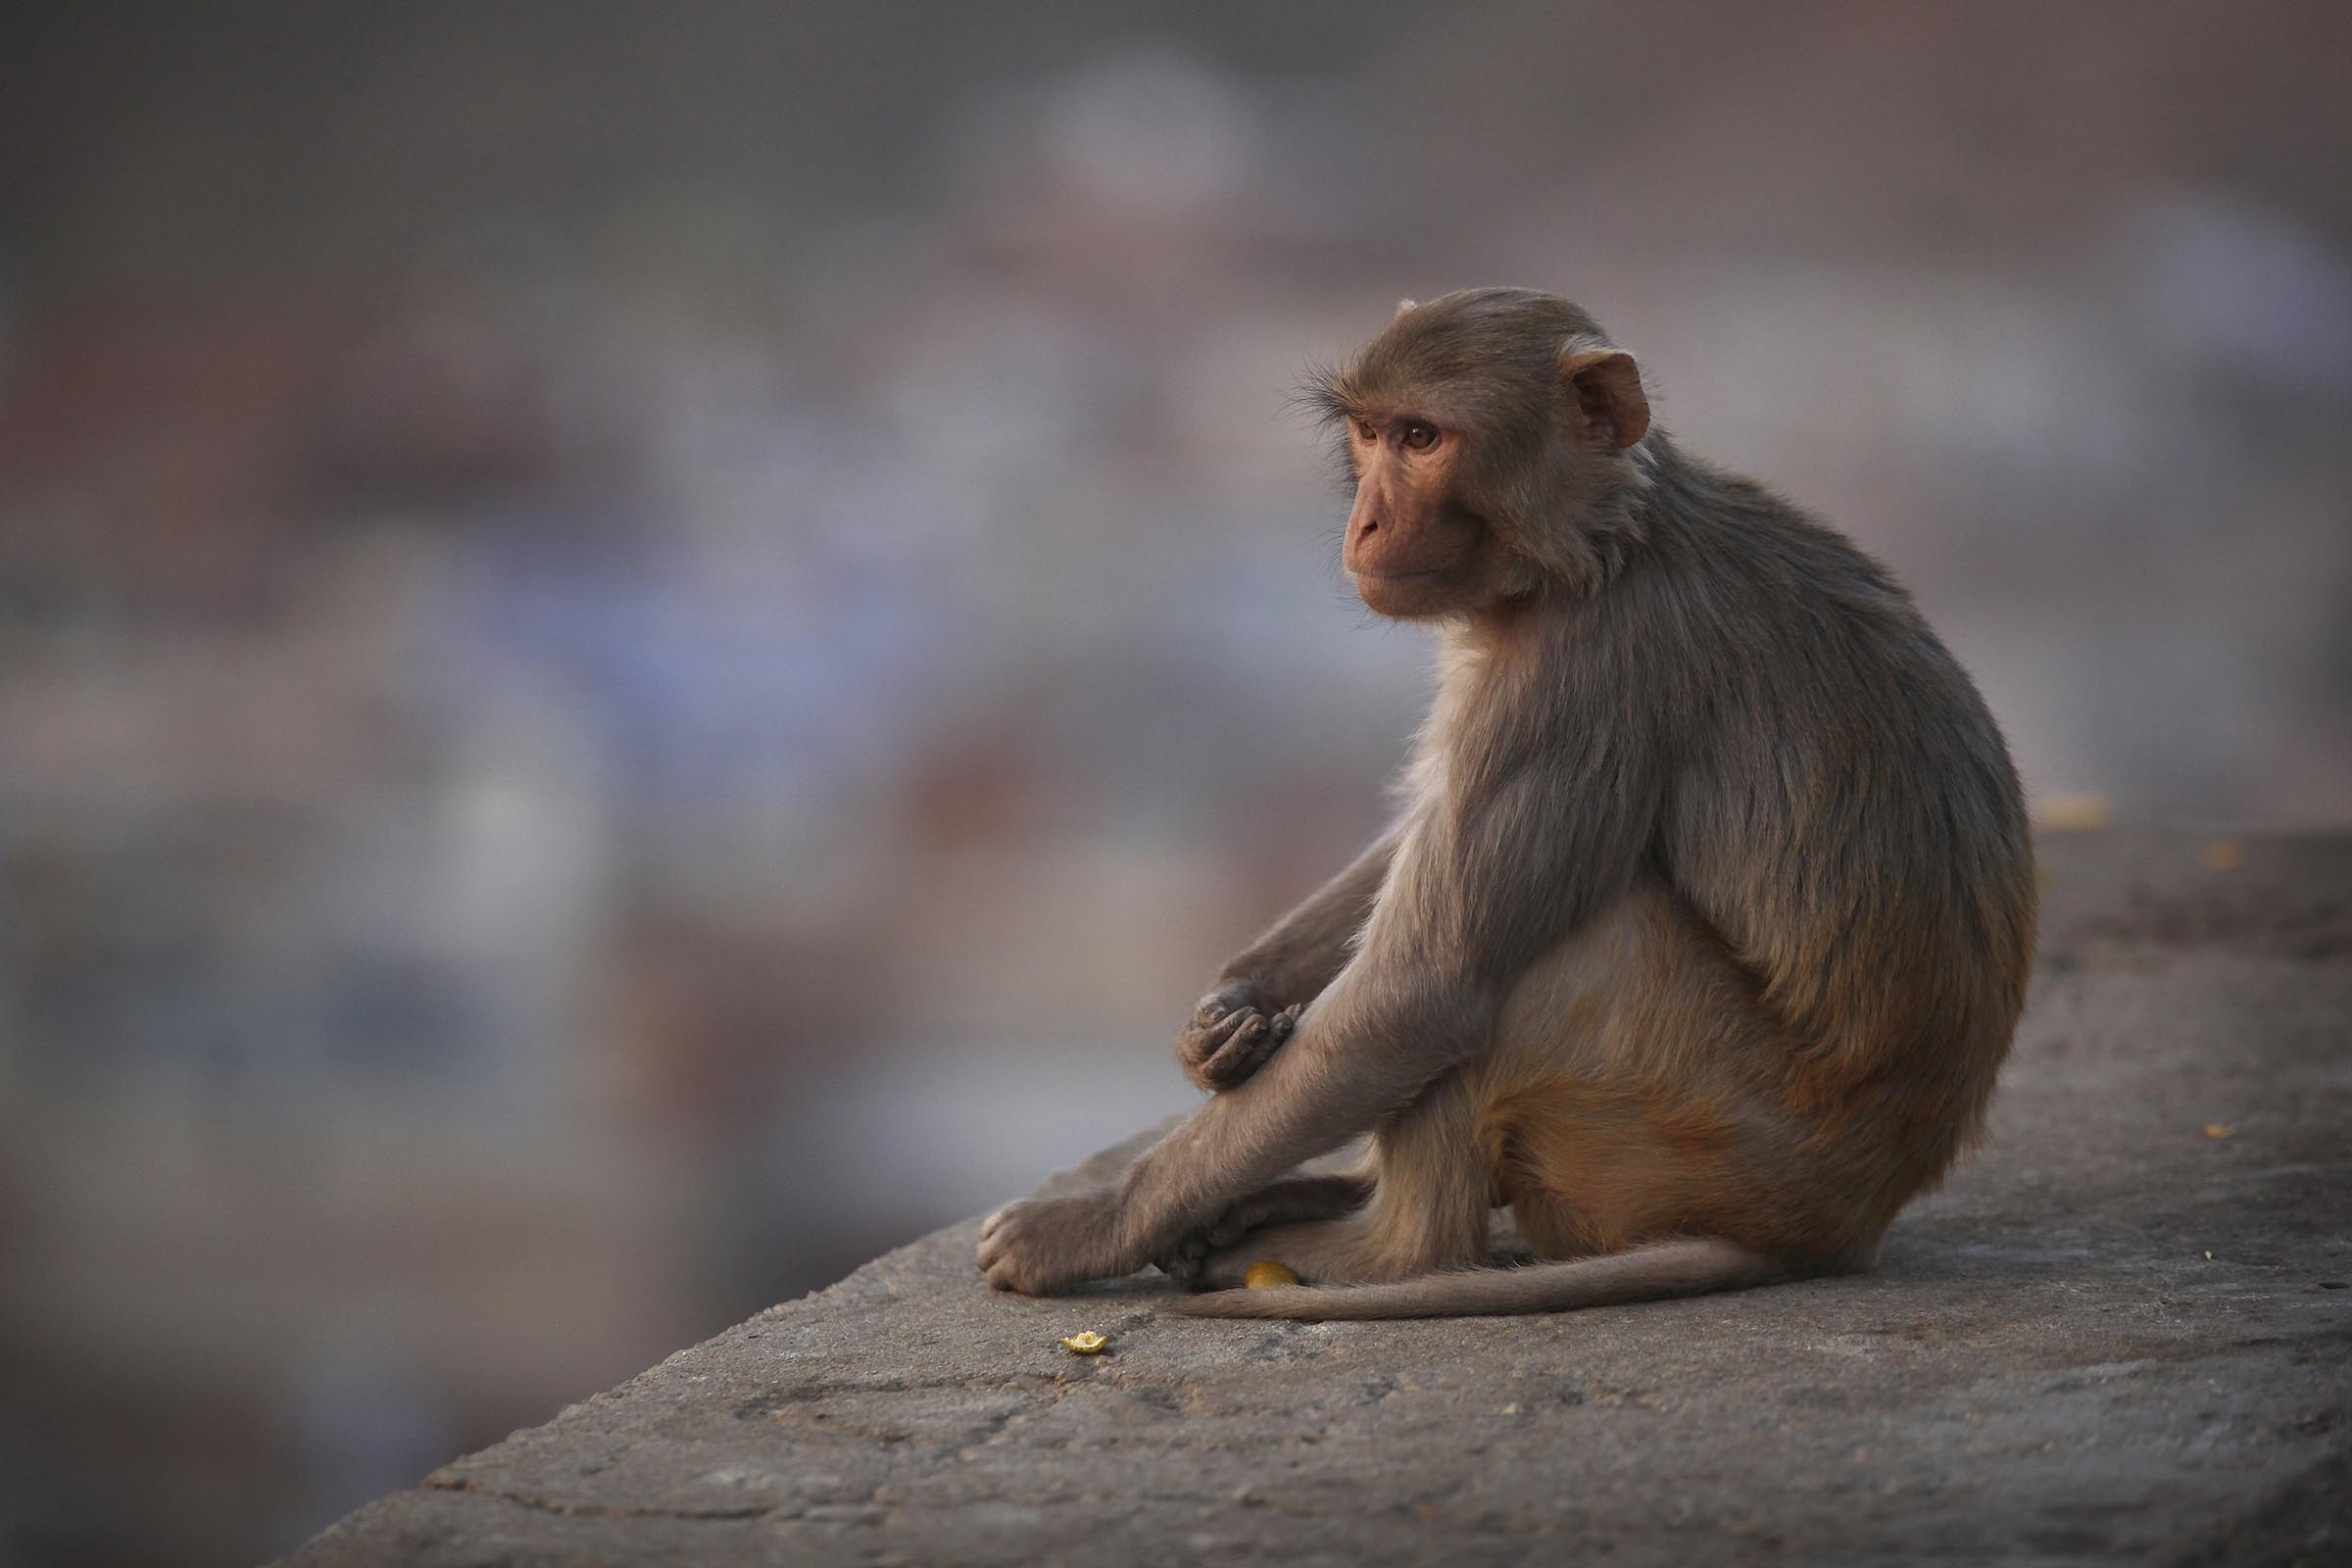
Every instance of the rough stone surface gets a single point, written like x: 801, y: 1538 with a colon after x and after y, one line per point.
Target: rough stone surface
x: 2113, y: 1337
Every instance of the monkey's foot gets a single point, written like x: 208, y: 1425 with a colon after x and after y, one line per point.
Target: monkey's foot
x: 1294, y: 1197
x: 1040, y: 1245
x: 1230, y: 1036
x: 1328, y: 1252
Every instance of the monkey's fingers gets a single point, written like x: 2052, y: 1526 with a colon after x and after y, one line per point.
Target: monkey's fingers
x: 1222, y: 1042
x: 1244, y: 1053
x: 1208, y: 1039
x: 1221, y: 1004
x: 1195, y: 1050
x: 1212, y: 1011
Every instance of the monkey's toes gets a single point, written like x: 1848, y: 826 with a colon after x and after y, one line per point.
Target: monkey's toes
x: 1183, y: 1260
x: 1224, y: 1269
x: 1043, y: 1243
x: 998, y: 1236
x: 1229, y: 1230
x: 1006, y: 1263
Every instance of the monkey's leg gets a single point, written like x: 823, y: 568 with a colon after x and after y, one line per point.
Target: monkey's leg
x: 1616, y: 1119
x: 1613, y: 1178
x: 1443, y: 1161
x: 1427, y: 1208
x: 1255, y: 1001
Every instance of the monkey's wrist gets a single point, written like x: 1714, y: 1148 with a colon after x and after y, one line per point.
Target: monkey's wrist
x: 1232, y: 991
x: 1137, y: 1241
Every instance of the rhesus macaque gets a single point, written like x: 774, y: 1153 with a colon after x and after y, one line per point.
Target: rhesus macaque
x: 1701, y: 933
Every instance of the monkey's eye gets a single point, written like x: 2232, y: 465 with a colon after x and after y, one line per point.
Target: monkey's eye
x: 1364, y: 432
x: 1419, y: 437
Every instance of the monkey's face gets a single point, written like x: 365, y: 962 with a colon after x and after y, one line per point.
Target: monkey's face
x: 1480, y: 430
x: 1413, y: 549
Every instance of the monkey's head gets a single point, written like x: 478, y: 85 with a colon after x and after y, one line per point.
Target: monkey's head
x: 1486, y: 433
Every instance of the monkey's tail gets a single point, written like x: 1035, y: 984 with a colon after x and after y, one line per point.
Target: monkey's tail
x: 1694, y: 1266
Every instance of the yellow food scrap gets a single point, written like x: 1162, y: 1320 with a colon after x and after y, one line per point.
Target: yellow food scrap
x: 1265, y: 1276
x: 2223, y: 854
x: 2214, y: 1129
x: 2082, y: 812
x: 1088, y: 1343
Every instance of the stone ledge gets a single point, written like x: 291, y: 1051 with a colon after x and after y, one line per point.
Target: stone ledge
x: 2112, y: 1338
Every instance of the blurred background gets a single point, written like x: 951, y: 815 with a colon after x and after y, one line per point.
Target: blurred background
x: 646, y: 649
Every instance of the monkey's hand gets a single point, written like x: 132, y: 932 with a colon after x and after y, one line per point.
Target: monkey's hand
x: 1040, y: 1245
x: 1230, y: 1036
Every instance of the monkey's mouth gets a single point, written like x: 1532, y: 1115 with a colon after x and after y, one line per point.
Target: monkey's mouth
x: 1394, y: 576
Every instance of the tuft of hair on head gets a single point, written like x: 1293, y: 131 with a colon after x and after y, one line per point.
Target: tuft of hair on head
x: 1320, y: 391
x: 1403, y: 306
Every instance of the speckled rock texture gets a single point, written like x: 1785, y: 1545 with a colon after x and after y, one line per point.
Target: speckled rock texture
x: 2122, y: 1333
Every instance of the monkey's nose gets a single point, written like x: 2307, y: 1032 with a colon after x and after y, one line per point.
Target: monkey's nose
x: 1362, y: 529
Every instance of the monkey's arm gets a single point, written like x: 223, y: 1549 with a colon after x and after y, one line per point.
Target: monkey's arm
x: 1256, y: 999
x: 1475, y: 896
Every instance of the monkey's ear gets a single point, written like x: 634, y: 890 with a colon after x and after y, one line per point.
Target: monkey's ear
x: 1607, y: 386
x: 1403, y: 306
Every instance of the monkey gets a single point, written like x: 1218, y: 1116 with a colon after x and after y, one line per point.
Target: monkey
x: 1703, y: 924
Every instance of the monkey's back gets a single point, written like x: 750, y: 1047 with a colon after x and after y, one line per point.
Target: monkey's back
x: 1842, y: 811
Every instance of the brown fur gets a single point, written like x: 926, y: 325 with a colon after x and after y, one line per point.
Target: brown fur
x: 1701, y: 935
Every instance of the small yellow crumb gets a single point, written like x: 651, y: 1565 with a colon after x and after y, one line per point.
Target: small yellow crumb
x: 2223, y: 854
x: 2209, y: 1254
x: 2082, y: 812
x: 1088, y: 1343
x: 2214, y: 1129
x: 1266, y: 1276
